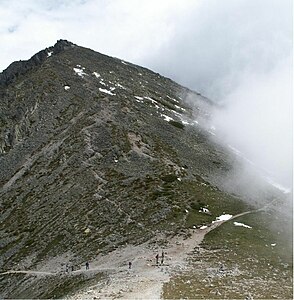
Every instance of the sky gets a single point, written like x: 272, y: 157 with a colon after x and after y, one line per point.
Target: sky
x: 236, y: 52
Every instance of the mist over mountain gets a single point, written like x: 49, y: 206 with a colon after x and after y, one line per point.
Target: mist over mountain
x: 103, y: 160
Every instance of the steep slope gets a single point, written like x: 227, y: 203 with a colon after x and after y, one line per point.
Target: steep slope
x: 97, y: 153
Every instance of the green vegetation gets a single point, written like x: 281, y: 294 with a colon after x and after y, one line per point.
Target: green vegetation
x: 255, y: 261
x: 76, y: 183
x: 177, y: 124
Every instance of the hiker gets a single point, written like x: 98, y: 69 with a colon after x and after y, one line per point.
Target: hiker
x: 162, y: 257
x: 130, y: 265
x: 72, y: 268
x: 87, y: 265
x: 66, y: 268
x: 157, y: 258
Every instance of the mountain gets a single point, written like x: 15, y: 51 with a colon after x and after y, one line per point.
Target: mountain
x: 98, y: 154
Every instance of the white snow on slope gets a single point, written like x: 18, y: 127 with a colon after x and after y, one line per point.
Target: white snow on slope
x: 120, y: 86
x: 154, y: 102
x: 106, y: 92
x: 97, y: 75
x: 167, y: 118
x: 173, y: 99
x: 204, y: 210
x: 181, y: 108
x: 79, y: 71
x: 66, y: 87
x: 139, y: 99
x: 49, y: 53
x: 224, y: 217
x: 241, y: 224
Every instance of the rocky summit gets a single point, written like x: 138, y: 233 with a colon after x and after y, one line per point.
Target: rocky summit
x: 98, y: 155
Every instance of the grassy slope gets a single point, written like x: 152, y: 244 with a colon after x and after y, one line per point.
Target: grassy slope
x: 252, y: 263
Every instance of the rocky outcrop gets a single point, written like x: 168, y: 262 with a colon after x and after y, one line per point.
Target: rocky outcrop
x: 18, y: 68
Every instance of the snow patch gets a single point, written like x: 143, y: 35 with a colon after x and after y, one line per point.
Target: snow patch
x: 79, y: 71
x: 66, y: 87
x: 97, y: 75
x: 242, y: 225
x: 224, y: 217
x: 106, y: 92
x: 167, y: 118
x: 139, y: 99
x: 173, y: 99
x: 123, y: 62
x: 153, y: 102
x: 181, y: 108
x: 120, y: 86
x: 102, y: 82
x: 186, y: 122
x: 49, y: 53
x: 203, y: 227
x: 205, y: 210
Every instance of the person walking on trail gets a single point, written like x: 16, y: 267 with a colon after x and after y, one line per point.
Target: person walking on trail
x: 130, y: 265
x: 87, y: 265
x: 157, y: 258
x: 162, y: 257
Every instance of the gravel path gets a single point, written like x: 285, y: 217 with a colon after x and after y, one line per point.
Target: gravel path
x: 145, y: 279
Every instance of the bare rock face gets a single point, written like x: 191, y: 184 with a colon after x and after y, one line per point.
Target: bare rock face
x: 18, y: 68
x: 97, y: 153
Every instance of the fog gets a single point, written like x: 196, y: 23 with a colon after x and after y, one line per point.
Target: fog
x: 239, y: 54
x: 236, y: 52
x: 257, y: 120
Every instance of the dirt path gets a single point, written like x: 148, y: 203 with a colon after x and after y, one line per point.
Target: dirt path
x: 145, y: 279
x: 28, y: 272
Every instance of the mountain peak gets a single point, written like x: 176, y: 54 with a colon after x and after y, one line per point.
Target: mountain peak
x: 23, y: 66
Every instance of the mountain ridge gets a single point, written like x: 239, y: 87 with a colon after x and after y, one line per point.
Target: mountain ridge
x: 96, y: 154
x: 23, y: 66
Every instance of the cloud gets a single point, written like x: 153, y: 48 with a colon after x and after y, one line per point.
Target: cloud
x: 129, y: 29
x: 236, y: 52
x: 216, y: 43
x: 257, y: 120
x: 239, y: 53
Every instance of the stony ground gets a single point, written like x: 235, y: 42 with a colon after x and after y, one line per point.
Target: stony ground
x: 189, y: 270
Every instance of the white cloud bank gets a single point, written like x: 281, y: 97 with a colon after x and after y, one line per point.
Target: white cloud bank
x: 237, y: 52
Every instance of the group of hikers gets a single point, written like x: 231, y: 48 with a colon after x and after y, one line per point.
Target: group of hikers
x: 71, y: 268
x: 87, y: 265
x: 156, y: 260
